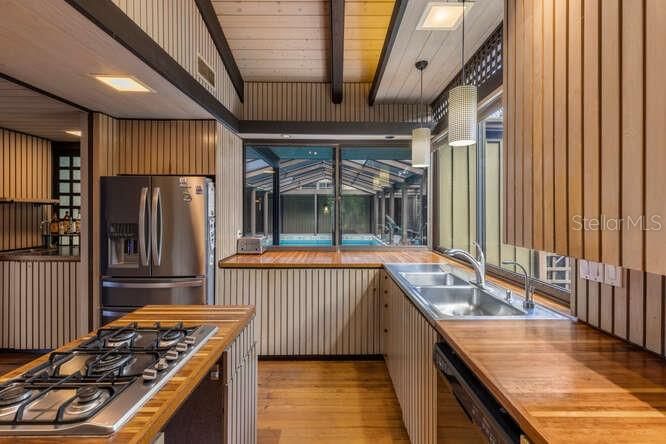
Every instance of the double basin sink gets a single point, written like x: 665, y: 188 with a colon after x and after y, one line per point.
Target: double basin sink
x: 445, y: 292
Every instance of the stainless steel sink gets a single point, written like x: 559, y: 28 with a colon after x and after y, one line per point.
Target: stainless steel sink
x: 466, y: 301
x: 444, y: 292
x: 433, y: 279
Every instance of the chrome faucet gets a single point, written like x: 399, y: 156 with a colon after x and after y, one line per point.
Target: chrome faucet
x: 478, y: 263
x: 528, y: 303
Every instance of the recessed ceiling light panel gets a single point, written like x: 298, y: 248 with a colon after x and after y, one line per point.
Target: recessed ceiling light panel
x: 442, y: 16
x: 76, y: 133
x: 122, y: 83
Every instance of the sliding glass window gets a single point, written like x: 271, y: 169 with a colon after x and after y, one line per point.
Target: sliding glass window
x: 382, y: 198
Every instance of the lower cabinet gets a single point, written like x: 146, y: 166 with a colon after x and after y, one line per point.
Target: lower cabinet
x: 308, y: 311
x: 408, y: 341
x: 223, y: 407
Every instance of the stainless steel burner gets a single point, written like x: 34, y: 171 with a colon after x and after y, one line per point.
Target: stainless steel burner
x: 121, y: 338
x: 87, y: 398
x: 113, y: 361
x: 169, y: 338
x: 13, y: 394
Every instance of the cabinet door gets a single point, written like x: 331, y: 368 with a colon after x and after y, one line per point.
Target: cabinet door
x: 408, y: 343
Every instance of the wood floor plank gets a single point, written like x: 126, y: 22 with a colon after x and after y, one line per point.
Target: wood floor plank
x: 327, y: 402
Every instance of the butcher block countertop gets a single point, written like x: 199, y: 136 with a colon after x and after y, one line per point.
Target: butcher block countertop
x: 331, y: 259
x: 565, y: 382
x: 151, y: 418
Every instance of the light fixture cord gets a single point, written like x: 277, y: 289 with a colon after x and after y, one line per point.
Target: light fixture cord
x: 462, y: 79
x: 421, y: 94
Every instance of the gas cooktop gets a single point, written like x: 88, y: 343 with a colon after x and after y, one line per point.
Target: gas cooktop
x: 98, y: 386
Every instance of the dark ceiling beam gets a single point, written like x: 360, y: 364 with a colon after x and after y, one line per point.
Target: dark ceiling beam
x: 337, y: 15
x: 391, y: 34
x: 250, y: 127
x: 112, y: 20
x: 209, y: 17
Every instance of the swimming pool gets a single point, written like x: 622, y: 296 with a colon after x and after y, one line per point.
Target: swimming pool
x: 301, y: 240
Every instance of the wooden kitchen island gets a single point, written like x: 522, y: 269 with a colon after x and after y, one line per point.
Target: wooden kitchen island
x: 233, y: 341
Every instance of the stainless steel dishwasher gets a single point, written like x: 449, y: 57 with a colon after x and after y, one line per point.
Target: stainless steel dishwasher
x: 466, y: 411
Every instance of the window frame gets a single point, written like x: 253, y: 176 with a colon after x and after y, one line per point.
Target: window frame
x: 71, y: 150
x: 337, y: 147
x: 551, y: 291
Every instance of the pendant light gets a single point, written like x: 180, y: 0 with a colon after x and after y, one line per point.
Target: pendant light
x: 421, y: 135
x: 462, y: 106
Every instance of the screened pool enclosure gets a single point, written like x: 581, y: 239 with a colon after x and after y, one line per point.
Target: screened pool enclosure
x: 381, y: 197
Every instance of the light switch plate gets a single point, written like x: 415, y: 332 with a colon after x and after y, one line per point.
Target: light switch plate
x: 613, y: 275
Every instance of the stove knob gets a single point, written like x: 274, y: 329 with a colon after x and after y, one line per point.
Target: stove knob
x: 181, y: 347
x: 161, y: 364
x: 149, y: 374
x: 190, y: 340
x: 171, y: 355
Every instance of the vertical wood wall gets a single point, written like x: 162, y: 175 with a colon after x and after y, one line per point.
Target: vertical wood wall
x: 308, y: 311
x: 25, y: 162
x: 229, y: 190
x: 300, y: 101
x: 177, y: 26
x: 39, y: 304
x: 408, y: 341
x: 584, y: 128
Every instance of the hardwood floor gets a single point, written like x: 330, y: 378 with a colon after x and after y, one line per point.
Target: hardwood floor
x: 327, y: 402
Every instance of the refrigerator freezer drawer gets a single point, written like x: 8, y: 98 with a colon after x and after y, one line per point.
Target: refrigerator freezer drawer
x: 140, y: 292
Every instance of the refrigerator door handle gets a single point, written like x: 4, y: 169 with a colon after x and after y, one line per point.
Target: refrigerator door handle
x: 157, y: 235
x: 173, y: 284
x: 144, y: 245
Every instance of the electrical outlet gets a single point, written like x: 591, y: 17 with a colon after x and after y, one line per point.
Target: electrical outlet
x: 613, y: 275
x: 596, y: 271
x: 583, y: 269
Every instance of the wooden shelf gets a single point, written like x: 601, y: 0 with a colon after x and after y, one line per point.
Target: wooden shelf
x: 7, y: 200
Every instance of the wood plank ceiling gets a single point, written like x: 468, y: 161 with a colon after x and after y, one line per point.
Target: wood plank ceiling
x: 289, y: 41
x: 27, y: 111
x: 400, y: 82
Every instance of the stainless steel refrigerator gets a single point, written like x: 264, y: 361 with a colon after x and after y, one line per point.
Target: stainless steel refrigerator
x: 157, y: 242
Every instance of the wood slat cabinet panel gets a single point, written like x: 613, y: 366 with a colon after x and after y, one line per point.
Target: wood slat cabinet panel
x: 408, y: 341
x: 308, y: 311
x: 177, y: 26
x: 40, y: 304
x: 584, y: 129
x: 25, y: 162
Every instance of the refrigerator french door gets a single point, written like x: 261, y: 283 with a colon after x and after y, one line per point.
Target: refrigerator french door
x: 157, y: 242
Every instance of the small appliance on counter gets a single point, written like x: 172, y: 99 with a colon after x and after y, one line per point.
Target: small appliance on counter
x: 251, y: 245
x: 157, y: 242
x: 98, y: 386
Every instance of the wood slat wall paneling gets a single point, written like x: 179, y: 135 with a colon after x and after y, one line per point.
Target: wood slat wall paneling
x: 408, y: 341
x: 39, y: 302
x: 634, y: 312
x: 310, y: 102
x: 228, y: 164
x: 240, y: 375
x: 590, y: 123
x: 308, y: 311
x: 25, y: 162
x: 181, y: 31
